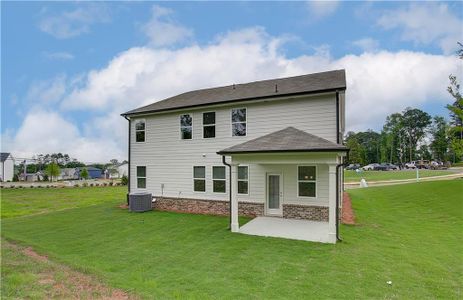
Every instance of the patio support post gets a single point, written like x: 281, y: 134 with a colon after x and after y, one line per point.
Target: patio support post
x: 332, y: 203
x: 235, y: 227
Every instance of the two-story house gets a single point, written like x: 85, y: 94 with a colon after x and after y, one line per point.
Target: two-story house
x: 265, y: 148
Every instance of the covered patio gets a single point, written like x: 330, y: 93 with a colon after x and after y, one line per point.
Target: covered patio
x: 288, y: 228
x: 276, y: 159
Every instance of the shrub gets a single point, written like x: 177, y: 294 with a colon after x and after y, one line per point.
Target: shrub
x: 91, y: 184
x: 31, y: 186
x: 111, y: 183
x: 76, y: 185
x: 85, y: 184
x: 124, y: 180
x: 48, y: 186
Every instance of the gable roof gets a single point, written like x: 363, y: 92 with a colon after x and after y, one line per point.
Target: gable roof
x: 289, y: 139
x: 4, y: 156
x: 297, y: 85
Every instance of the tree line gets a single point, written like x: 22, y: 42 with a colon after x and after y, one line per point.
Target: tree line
x: 413, y: 134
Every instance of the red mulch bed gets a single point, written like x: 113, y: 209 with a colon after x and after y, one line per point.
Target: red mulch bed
x: 348, y: 216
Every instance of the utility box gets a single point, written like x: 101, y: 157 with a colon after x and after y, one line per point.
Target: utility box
x: 140, y: 202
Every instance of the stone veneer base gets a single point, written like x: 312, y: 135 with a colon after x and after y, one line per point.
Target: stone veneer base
x: 250, y: 209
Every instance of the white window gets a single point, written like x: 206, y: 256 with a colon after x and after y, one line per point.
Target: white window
x: 209, y: 125
x: 218, y: 179
x: 141, y: 177
x: 238, y: 120
x: 186, y: 127
x: 140, y: 131
x: 307, y: 181
x: 243, y: 180
x: 199, y: 179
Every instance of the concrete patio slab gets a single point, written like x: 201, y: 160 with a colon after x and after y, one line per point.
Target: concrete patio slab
x: 288, y: 229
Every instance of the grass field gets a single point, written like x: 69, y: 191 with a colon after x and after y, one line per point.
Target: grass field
x: 21, y: 202
x: 409, y: 234
x: 352, y: 176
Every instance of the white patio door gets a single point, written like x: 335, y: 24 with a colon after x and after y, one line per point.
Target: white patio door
x: 274, y: 194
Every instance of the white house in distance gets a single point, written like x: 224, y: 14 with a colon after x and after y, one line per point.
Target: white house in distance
x: 6, y: 167
x: 279, y: 141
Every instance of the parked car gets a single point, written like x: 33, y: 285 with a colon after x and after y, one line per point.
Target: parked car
x: 410, y: 165
x: 370, y: 167
x: 353, y: 167
x: 392, y: 166
x: 422, y: 164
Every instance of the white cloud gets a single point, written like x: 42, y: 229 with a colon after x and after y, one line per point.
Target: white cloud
x: 73, y: 23
x: 379, y: 83
x: 45, y: 131
x: 47, y: 91
x: 162, y: 30
x: 59, y: 55
x: 322, y: 8
x: 426, y: 23
x: 367, y: 44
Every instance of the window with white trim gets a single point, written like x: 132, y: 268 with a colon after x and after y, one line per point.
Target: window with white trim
x: 186, y: 127
x: 141, y: 177
x: 307, y: 181
x: 238, y: 121
x: 218, y: 179
x: 243, y: 180
x: 199, y: 178
x: 209, y: 125
x: 140, y: 131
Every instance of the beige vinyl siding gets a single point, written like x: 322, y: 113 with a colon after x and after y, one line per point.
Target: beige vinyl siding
x: 170, y: 160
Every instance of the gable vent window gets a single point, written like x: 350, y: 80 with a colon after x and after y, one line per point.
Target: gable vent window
x: 199, y: 179
x: 141, y: 177
x: 186, y: 127
x: 209, y: 125
x: 218, y: 179
x: 238, y: 120
x: 140, y: 131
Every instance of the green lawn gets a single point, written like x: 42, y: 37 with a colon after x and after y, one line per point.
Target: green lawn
x: 409, y: 234
x: 20, y: 202
x: 352, y: 176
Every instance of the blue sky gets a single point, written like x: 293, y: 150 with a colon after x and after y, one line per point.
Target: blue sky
x: 70, y: 68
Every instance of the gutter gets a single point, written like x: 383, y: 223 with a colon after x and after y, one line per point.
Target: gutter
x: 230, y: 187
x: 128, y: 173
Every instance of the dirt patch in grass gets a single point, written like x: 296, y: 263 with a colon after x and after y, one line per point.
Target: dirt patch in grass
x: 348, y: 216
x: 54, y: 280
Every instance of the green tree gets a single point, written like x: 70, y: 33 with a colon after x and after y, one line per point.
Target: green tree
x: 84, y: 173
x: 356, y: 151
x: 415, y: 123
x: 394, y: 138
x: 440, y: 142
x: 52, y: 170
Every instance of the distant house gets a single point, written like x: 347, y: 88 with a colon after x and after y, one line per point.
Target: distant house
x: 117, y: 172
x: 6, y: 166
x: 68, y: 174
x: 93, y: 172
x: 31, y: 177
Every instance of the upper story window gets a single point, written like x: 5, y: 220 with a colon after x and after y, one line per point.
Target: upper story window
x: 209, y: 125
x: 140, y: 131
x: 186, y: 127
x: 307, y: 181
x: 238, y: 120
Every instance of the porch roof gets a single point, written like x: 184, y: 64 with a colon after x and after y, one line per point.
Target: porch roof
x: 289, y: 139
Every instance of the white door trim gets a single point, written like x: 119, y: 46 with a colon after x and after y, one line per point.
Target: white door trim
x: 276, y: 211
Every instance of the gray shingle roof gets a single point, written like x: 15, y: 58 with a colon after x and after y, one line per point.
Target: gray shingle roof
x: 289, y: 139
x: 310, y: 83
x: 4, y: 156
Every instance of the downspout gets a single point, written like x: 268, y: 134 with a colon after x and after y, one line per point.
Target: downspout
x: 128, y: 173
x: 230, y: 187
x: 337, y: 117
